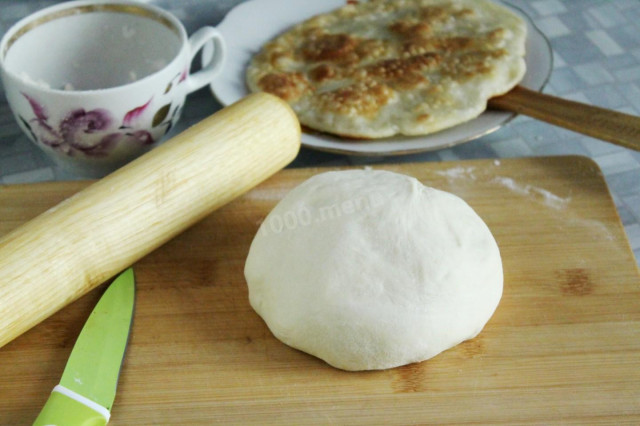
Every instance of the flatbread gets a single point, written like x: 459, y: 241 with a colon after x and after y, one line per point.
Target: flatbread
x: 371, y: 269
x: 382, y: 68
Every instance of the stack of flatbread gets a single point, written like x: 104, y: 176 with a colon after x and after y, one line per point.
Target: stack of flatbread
x: 394, y: 67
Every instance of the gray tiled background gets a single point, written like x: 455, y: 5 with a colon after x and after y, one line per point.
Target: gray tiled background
x: 596, y: 45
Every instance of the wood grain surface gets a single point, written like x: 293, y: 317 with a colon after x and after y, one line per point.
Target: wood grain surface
x: 562, y: 347
x: 601, y: 123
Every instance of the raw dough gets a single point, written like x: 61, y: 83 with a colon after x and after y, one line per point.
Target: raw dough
x: 371, y: 269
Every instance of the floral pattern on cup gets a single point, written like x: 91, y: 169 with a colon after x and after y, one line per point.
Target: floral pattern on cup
x: 93, y: 132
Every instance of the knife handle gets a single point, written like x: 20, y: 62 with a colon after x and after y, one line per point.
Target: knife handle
x: 66, y: 408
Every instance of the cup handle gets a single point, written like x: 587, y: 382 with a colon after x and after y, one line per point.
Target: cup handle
x: 214, y: 44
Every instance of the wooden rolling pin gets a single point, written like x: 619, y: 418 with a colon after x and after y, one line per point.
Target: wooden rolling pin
x: 90, y: 237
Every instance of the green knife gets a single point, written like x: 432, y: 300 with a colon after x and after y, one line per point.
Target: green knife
x: 87, y: 389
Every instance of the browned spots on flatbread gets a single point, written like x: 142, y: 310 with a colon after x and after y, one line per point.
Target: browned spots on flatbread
x: 371, y: 49
x: 410, y: 378
x: 288, y: 86
x: 362, y: 98
x: 496, y: 35
x: 407, y: 28
x: 404, y: 73
x: 434, y: 14
x: 420, y: 46
x: 322, y: 72
x: 427, y: 20
x: 329, y: 47
x: 575, y: 282
x: 278, y: 57
x: 470, y: 64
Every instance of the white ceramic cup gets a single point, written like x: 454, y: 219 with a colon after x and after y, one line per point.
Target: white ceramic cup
x: 97, y: 83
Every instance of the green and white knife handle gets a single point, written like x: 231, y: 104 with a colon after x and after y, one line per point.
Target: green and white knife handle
x: 67, y: 408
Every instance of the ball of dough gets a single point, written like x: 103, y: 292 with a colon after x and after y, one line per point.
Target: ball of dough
x: 371, y: 270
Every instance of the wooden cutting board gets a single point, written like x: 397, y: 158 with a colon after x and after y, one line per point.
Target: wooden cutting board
x: 563, y: 345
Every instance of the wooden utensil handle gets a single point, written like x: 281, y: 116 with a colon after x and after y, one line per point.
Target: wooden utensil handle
x: 611, y: 126
x: 87, y: 239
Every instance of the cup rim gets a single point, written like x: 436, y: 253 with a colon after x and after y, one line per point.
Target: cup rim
x: 65, y: 9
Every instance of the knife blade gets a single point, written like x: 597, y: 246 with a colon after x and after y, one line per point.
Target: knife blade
x: 87, y: 388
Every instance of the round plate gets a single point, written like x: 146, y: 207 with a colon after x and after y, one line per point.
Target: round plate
x: 248, y: 26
